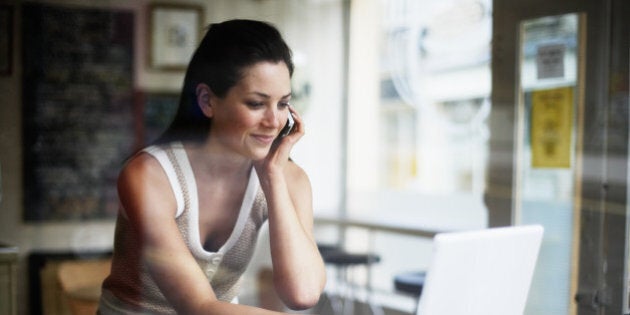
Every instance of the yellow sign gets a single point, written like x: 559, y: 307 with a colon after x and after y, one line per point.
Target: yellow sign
x: 552, y: 127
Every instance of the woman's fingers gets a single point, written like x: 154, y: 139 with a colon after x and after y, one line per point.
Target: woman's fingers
x: 298, y: 127
x: 281, y: 148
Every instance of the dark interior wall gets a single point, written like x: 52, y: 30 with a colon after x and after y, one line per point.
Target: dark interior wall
x: 56, y: 236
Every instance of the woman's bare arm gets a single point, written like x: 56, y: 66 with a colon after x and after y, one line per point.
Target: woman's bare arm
x: 298, y: 269
x: 150, y: 206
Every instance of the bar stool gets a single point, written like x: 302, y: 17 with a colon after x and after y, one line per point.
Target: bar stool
x: 411, y: 283
x: 344, y: 262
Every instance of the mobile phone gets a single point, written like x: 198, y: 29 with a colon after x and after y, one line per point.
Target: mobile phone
x: 287, y: 128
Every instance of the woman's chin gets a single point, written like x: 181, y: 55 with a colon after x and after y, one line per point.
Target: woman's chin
x: 260, y: 154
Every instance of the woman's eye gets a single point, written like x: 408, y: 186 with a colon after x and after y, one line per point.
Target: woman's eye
x: 284, y: 104
x: 255, y: 104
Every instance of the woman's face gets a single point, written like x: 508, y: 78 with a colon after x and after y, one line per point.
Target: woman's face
x: 252, y: 113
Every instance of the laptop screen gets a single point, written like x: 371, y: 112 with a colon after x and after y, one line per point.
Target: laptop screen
x: 482, y: 272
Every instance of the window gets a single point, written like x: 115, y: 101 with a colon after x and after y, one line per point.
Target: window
x: 419, y: 87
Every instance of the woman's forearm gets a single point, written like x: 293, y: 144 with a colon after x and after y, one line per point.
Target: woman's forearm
x: 299, y: 273
x: 226, y: 308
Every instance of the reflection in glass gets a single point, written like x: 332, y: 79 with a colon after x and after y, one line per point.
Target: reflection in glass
x: 546, y: 154
x: 418, y: 144
x: 434, y: 95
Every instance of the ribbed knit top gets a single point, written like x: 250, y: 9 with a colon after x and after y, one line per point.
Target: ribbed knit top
x: 130, y: 289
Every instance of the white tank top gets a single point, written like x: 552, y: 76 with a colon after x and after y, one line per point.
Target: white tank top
x: 130, y: 288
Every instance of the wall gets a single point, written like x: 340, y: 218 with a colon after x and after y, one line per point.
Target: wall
x: 313, y: 29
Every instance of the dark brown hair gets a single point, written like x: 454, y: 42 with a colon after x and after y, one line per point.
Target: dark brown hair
x: 225, y: 51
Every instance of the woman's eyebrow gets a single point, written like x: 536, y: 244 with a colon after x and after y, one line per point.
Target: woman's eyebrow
x: 267, y: 96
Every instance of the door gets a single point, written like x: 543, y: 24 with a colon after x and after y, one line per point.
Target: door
x: 559, y: 146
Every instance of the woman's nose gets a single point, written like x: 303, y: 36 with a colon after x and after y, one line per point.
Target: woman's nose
x: 272, y: 118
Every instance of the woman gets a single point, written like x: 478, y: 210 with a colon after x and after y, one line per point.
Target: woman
x: 192, y: 204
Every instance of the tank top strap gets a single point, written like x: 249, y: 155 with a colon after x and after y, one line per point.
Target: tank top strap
x: 166, y: 157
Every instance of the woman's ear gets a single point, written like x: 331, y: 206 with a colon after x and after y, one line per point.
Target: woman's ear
x: 204, y: 97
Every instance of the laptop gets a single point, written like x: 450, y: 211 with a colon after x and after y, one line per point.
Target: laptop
x: 481, y: 272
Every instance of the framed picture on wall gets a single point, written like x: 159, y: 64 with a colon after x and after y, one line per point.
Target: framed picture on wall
x: 6, y: 39
x: 174, y: 31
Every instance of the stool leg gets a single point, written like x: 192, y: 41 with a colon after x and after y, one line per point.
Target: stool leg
x: 335, y: 294
x: 327, y: 301
x: 338, y: 295
x: 375, y: 309
x: 348, y: 305
x: 415, y: 310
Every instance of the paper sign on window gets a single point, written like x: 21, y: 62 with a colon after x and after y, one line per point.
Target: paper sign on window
x: 551, y: 127
x: 550, y: 61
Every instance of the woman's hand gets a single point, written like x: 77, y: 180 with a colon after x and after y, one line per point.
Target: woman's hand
x: 280, y: 150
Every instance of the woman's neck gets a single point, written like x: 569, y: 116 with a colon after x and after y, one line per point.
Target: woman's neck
x: 217, y: 162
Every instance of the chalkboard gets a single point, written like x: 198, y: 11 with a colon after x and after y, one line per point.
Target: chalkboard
x: 78, y: 109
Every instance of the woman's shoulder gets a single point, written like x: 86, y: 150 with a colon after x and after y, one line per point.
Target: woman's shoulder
x: 146, y: 160
x: 296, y: 176
x: 142, y: 167
x: 134, y: 188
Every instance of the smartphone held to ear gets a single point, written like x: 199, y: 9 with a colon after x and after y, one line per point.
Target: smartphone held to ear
x: 287, y: 128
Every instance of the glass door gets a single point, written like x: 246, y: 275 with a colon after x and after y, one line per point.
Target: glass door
x: 547, y: 155
x: 559, y: 146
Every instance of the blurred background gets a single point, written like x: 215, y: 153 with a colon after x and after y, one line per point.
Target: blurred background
x: 422, y: 117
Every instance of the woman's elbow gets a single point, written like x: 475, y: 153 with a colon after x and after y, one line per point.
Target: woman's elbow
x: 301, y: 296
x: 301, y: 299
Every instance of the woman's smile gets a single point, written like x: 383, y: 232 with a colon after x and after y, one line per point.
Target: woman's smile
x: 264, y: 139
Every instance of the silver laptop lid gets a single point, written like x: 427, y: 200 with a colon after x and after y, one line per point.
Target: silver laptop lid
x: 483, y: 272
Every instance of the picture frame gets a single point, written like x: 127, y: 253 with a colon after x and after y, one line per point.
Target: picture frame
x: 6, y: 39
x: 174, y: 34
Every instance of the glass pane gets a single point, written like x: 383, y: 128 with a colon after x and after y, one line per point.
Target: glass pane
x: 546, y: 153
x: 418, y: 103
x: 427, y: 129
